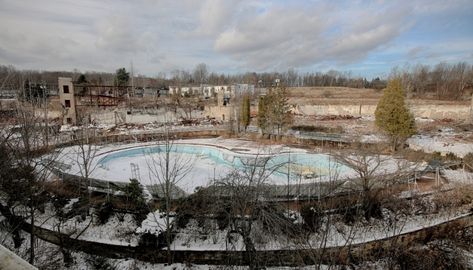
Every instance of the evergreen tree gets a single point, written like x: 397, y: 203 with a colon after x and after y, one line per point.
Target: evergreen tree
x: 262, y: 114
x: 280, y: 109
x: 393, y: 116
x: 122, y: 77
x: 274, y: 111
x: 245, y: 111
x: 134, y: 193
x: 82, y: 79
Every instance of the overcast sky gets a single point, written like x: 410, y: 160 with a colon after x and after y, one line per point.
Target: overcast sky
x: 367, y: 38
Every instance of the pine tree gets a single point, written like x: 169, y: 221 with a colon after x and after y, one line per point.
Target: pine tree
x: 393, y: 116
x: 280, y: 110
x: 82, y: 79
x: 262, y: 114
x: 274, y: 111
x: 245, y: 111
x: 122, y: 77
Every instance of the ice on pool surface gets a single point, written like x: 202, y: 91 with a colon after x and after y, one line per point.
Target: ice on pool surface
x: 211, y: 163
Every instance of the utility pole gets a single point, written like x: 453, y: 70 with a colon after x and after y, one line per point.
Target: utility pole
x: 132, y: 87
x: 45, y: 96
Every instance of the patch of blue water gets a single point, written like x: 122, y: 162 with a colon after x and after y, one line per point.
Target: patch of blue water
x: 314, y: 161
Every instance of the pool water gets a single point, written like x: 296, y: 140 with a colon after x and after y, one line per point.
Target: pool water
x: 305, y: 164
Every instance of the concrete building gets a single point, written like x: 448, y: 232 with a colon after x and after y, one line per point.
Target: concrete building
x: 67, y: 100
x: 241, y: 88
x: 150, y: 92
x: 173, y: 90
x: 208, y: 91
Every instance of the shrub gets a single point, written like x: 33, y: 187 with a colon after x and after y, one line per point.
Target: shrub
x: 59, y: 202
x: 98, y: 262
x: 195, y: 206
x: 436, y: 255
x: 462, y: 195
x: 312, y: 216
x: 148, y: 240
x: 136, y: 200
x: 349, y: 215
x: 182, y: 220
x: 323, y: 129
x: 468, y: 161
x: 223, y: 217
x: 140, y: 214
x: 104, y: 212
x: 134, y: 193
x: 451, y: 157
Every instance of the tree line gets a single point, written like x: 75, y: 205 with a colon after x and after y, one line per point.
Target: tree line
x: 441, y: 81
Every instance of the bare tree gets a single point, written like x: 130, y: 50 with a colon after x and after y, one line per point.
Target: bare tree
x: 84, y: 156
x: 200, y: 73
x: 244, y: 204
x: 28, y: 161
x: 166, y: 169
x: 374, y: 173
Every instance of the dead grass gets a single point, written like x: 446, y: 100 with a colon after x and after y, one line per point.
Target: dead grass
x: 347, y: 95
x: 460, y: 196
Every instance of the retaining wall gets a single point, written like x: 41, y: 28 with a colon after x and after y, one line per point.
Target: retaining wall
x: 460, y: 111
x: 333, y: 255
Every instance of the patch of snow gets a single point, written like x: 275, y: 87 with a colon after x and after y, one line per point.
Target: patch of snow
x: 424, y: 120
x: 372, y: 138
x: 66, y: 128
x: 444, y: 145
x: 367, y: 117
x: 154, y: 223
x: 69, y: 205
x: 458, y: 176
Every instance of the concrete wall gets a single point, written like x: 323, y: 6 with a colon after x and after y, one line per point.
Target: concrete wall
x: 120, y: 116
x: 221, y: 113
x: 69, y: 113
x: 9, y: 260
x: 461, y: 112
x: 348, y: 254
x: 107, y: 117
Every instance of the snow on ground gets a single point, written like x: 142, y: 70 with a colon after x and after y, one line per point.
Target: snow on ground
x: 458, y: 176
x: 424, y: 120
x: 445, y: 143
x: 118, y: 231
x: 154, y: 223
x: 372, y: 138
x: 113, y: 162
x: 207, y: 237
x: 339, y: 234
x: 342, y: 235
x: 210, y: 159
x: 121, y: 229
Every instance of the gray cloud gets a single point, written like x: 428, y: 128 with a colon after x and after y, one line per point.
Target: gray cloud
x: 116, y: 34
x: 228, y: 35
x: 285, y: 38
x: 214, y: 16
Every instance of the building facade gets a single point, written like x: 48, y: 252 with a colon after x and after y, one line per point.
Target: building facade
x: 67, y: 100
